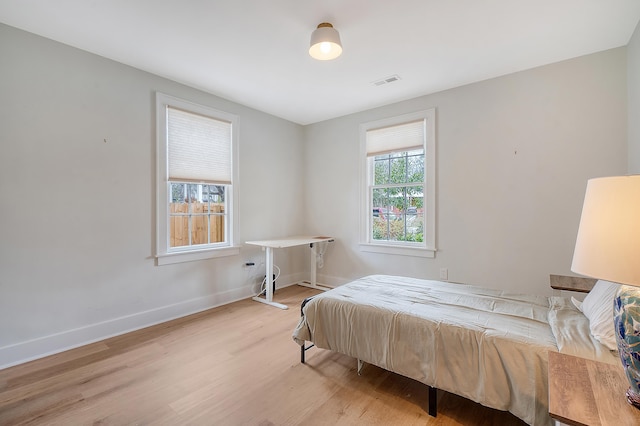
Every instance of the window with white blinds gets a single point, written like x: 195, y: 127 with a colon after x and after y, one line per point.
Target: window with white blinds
x: 196, y: 181
x: 398, y: 185
x: 401, y: 137
x: 199, y: 148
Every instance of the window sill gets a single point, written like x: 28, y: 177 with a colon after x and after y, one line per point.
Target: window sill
x: 189, y: 256
x: 398, y: 250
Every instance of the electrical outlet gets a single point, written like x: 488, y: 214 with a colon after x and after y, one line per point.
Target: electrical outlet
x: 444, y: 274
x: 249, y: 265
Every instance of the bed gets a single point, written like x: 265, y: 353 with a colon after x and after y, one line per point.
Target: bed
x: 486, y: 345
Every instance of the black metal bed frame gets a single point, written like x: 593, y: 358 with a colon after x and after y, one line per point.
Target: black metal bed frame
x: 433, y: 392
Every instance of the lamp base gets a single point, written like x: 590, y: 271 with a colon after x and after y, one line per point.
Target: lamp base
x: 633, y: 398
x: 626, y: 319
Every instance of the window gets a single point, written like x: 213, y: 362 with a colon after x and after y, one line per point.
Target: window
x: 197, y: 180
x: 398, y: 191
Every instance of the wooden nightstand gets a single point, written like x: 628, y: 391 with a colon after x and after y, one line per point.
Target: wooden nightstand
x: 584, y: 392
x: 567, y: 283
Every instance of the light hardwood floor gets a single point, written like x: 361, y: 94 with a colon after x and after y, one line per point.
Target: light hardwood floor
x: 233, y: 365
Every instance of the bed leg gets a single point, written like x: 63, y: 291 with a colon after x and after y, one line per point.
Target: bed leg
x: 360, y: 365
x: 433, y: 401
x: 303, y: 349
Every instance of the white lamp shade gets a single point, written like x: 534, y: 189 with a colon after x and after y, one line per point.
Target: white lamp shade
x: 325, y: 43
x: 608, y: 242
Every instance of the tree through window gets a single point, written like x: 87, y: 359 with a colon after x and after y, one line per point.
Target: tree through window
x: 400, y: 181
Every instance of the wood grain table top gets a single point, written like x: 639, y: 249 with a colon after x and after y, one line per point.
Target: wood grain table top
x: 586, y: 392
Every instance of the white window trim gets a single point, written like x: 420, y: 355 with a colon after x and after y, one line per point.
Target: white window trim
x: 163, y: 255
x: 390, y: 247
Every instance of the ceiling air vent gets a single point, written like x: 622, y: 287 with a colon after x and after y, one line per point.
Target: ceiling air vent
x: 386, y: 80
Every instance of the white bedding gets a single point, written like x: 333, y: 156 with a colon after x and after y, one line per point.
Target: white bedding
x: 486, y: 345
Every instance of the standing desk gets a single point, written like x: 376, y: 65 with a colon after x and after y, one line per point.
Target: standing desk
x: 269, y: 245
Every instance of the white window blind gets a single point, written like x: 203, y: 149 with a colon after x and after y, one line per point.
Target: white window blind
x: 402, y: 137
x: 199, y: 148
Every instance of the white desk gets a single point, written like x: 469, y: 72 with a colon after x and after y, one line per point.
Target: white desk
x: 269, y: 245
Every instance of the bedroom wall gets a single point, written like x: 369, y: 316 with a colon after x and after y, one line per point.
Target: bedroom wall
x: 77, y: 213
x: 633, y: 76
x: 77, y: 221
x: 513, y: 157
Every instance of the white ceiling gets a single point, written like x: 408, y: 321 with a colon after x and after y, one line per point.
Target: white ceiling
x: 254, y: 52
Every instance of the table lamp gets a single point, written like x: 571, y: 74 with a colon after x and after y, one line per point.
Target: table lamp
x: 608, y: 248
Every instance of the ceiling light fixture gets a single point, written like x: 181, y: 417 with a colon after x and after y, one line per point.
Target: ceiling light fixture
x: 325, y: 43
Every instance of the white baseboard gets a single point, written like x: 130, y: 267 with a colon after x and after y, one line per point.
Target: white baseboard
x: 321, y: 280
x: 30, y: 350
x: 331, y: 281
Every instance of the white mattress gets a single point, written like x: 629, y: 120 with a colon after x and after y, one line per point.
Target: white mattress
x: 486, y: 345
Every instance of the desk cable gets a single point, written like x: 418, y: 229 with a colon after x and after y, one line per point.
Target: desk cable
x: 263, y: 286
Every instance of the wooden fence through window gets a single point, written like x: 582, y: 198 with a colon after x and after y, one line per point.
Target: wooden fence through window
x: 200, y: 214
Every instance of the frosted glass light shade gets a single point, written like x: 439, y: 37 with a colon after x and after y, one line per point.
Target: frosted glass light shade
x: 325, y: 43
x: 608, y: 242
